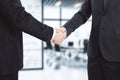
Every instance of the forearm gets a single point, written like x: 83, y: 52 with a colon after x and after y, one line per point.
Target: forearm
x: 18, y: 17
x: 79, y: 18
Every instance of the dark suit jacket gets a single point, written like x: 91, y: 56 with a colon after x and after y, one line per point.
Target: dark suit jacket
x: 105, y: 33
x: 13, y: 21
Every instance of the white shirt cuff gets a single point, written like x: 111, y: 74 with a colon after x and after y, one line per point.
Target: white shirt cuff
x: 54, y: 33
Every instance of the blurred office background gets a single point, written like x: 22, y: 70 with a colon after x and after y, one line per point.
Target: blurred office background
x: 46, y: 61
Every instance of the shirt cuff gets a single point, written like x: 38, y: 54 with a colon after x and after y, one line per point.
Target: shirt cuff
x: 54, y: 33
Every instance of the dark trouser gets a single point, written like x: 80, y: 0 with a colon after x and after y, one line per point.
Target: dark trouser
x: 9, y: 76
x: 100, y: 69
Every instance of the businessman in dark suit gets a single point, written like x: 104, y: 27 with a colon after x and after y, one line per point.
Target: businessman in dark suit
x: 104, y: 43
x: 13, y: 21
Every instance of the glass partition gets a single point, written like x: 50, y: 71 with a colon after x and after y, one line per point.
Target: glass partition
x: 33, y: 56
x: 69, y: 59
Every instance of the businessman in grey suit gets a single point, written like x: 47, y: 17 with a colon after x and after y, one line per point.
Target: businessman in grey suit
x: 104, y: 43
x: 13, y: 21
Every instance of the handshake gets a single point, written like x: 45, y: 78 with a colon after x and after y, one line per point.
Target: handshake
x: 60, y: 35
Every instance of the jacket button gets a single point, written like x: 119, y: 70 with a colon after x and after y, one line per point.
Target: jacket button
x: 103, y: 13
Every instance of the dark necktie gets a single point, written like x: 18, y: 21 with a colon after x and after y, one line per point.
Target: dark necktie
x: 105, y: 7
x: 105, y: 1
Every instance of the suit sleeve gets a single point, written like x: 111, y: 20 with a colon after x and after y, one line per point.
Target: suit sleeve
x: 17, y: 17
x: 79, y: 18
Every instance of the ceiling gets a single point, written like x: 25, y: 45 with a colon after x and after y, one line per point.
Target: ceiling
x: 65, y: 3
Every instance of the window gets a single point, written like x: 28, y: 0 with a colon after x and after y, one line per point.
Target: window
x: 32, y: 46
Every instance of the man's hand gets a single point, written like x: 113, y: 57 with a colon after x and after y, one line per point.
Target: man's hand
x: 60, y: 35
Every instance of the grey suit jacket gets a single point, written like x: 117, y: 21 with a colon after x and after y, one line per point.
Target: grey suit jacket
x: 105, y: 33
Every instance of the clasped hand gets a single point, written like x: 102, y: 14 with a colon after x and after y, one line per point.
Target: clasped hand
x: 60, y: 36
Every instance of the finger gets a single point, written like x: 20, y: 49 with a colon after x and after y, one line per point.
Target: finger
x: 58, y: 41
x: 61, y: 29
